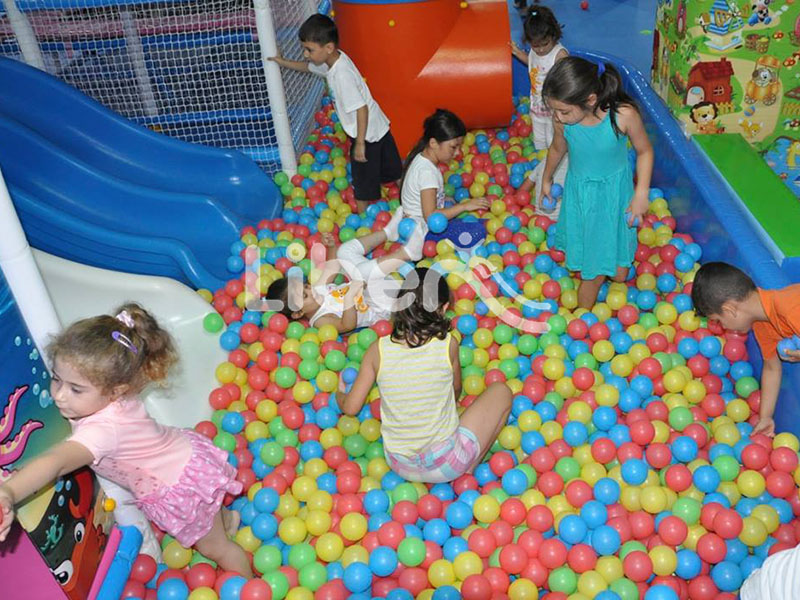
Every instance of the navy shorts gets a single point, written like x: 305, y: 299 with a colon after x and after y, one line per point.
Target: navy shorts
x: 383, y: 166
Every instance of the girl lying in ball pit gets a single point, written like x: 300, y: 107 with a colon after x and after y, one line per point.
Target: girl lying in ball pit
x: 366, y: 299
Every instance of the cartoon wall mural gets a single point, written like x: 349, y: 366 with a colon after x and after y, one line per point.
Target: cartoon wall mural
x: 732, y: 66
x: 66, y: 521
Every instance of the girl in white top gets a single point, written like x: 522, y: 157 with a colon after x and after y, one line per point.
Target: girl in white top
x: 423, y: 185
x: 418, y: 374
x: 543, y: 33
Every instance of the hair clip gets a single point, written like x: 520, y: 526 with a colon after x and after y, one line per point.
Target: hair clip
x: 601, y: 68
x: 124, y: 340
x: 125, y: 318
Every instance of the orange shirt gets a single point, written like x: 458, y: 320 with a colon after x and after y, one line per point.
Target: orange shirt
x: 783, y: 311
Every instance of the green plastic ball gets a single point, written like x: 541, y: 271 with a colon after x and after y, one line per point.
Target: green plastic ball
x: 213, y: 322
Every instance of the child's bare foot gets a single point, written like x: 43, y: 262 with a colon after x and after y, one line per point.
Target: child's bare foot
x: 230, y: 520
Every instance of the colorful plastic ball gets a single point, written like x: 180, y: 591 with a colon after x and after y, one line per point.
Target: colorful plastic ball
x: 357, y: 577
x: 727, y: 576
x: 411, y: 551
x: 172, y: 589
x: 383, y: 561
x: 606, y: 540
x: 660, y: 592
x: 437, y: 222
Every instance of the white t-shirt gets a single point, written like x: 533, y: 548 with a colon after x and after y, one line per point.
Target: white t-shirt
x: 350, y: 93
x: 422, y: 174
x: 777, y: 579
x: 367, y: 312
x: 538, y: 68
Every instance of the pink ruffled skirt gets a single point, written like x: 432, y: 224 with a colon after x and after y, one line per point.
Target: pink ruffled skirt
x: 186, y: 509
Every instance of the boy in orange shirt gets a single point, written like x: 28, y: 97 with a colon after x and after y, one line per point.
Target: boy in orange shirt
x: 724, y: 293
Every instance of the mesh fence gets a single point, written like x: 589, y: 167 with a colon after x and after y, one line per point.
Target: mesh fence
x: 191, y: 70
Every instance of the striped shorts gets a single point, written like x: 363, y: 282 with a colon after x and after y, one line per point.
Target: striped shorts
x: 442, y: 462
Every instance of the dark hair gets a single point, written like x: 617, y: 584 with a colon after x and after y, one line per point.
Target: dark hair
x: 716, y: 283
x: 319, y: 29
x: 279, y: 290
x: 441, y: 126
x: 541, y: 24
x: 572, y: 80
x: 129, y: 349
x: 423, y: 318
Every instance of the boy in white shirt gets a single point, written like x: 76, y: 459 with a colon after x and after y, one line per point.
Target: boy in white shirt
x: 374, y: 155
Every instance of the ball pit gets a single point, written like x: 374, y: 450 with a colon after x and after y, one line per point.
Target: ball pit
x: 628, y: 468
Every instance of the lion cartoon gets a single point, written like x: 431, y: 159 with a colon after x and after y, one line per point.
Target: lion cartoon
x: 764, y: 85
x: 703, y: 115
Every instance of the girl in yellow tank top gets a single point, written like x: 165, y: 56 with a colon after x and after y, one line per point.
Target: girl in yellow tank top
x: 418, y: 374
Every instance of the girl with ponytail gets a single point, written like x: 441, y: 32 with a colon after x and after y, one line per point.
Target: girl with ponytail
x: 422, y: 192
x: 594, y: 119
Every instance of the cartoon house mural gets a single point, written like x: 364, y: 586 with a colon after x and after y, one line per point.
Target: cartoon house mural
x: 725, y: 29
x: 710, y: 81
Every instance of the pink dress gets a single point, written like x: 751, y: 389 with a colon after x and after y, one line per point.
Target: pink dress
x: 178, y: 477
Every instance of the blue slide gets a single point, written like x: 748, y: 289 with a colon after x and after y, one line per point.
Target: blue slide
x: 92, y: 187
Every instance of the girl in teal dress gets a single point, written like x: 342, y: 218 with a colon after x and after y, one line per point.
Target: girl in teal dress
x: 593, y: 119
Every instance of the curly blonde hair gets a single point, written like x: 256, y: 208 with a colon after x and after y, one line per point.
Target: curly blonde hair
x: 111, y: 353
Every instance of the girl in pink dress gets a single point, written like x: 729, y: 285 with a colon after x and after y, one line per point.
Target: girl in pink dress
x: 178, y: 478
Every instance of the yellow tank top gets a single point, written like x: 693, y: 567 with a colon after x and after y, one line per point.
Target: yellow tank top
x: 418, y: 405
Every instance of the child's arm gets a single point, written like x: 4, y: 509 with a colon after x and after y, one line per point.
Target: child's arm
x: 331, y: 267
x: 557, y: 150
x: 456, y: 362
x: 428, y: 202
x: 352, y: 402
x: 59, y: 460
x: 518, y: 52
x: 362, y: 120
x: 633, y: 127
x: 349, y: 319
x: 295, y: 65
x: 771, y: 375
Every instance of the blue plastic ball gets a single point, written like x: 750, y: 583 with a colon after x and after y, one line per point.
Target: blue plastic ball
x: 727, y: 576
x: 660, y: 592
x: 173, y: 589
x: 406, y: 228
x: 437, y: 222
x: 634, y: 471
x: 232, y: 588
x: 458, y: 515
x: 556, y: 190
x: 572, y: 529
x: 357, y: 577
x: 606, y: 540
x: 382, y: 561
x: 266, y: 500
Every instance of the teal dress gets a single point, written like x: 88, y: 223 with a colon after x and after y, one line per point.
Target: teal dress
x: 592, y: 229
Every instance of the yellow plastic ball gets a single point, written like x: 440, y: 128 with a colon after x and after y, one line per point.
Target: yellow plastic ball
x: 768, y: 516
x: 653, y: 499
x: 176, y: 556
x: 754, y: 532
x: 329, y: 547
x: 486, y: 509
x: 610, y: 568
x: 353, y: 526
x: 292, y: 530
x: 523, y: 589
x: 355, y: 553
x: 751, y: 483
x: 466, y: 564
x: 530, y: 420
x: 441, y: 573
x: 664, y: 560
x: 553, y: 369
x: 318, y: 522
x: 786, y: 440
x: 591, y: 583
x: 299, y: 593
x: 247, y: 539
x: 606, y: 395
x: 203, y: 593
x: 603, y: 350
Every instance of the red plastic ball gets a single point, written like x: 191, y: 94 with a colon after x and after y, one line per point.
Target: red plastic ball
x: 476, y: 587
x: 637, y: 566
x: 552, y: 553
x: 711, y: 548
x: 672, y: 530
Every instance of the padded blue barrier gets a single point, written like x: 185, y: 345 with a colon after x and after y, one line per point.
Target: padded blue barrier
x: 93, y: 187
x: 706, y: 207
x: 121, y: 565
